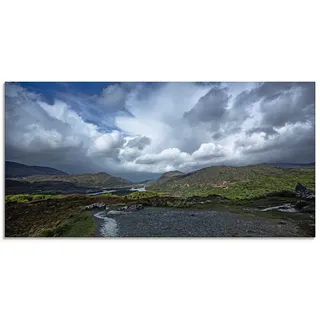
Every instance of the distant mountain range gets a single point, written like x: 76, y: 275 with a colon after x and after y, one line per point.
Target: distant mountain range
x: 15, y: 169
x: 221, y: 176
x: 46, y: 179
x: 36, y: 179
x: 288, y: 165
x: 51, y: 187
x: 91, y: 180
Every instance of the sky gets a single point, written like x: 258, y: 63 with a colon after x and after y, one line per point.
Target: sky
x: 141, y: 130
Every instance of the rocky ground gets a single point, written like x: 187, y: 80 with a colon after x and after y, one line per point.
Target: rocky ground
x: 172, y: 222
x: 292, y: 215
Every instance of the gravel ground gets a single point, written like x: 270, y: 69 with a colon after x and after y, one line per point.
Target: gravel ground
x: 167, y: 222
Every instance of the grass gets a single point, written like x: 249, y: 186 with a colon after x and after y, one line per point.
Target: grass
x: 77, y: 225
x: 257, y: 187
x: 29, y: 197
x: 98, y: 180
x: 62, y: 215
x: 109, y: 195
x: 143, y: 195
x: 55, y: 216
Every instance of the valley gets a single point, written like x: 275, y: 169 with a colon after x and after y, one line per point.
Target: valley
x: 251, y: 201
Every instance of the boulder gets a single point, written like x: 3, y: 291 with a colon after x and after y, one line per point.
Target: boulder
x: 303, y: 192
x: 284, y: 208
x: 309, y: 209
x: 111, y: 212
x: 97, y: 205
x: 300, y: 204
x: 135, y: 207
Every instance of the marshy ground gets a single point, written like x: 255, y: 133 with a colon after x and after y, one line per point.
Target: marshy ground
x: 161, y: 217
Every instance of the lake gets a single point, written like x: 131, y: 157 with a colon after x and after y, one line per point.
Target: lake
x: 118, y: 191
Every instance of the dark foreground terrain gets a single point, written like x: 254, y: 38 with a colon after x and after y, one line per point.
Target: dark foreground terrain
x: 159, y: 216
x: 169, y: 222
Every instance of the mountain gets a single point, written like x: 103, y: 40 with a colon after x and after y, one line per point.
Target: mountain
x: 145, y: 182
x: 291, y: 165
x: 224, y: 177
x: 97, y: 180
x: 51, y: 187
x: 171, y: 174
x: 15, y: 169
x: 214, y: 176
x: 164, y: 179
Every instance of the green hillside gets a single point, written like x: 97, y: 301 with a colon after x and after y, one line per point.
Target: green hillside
x: 236, y: 182
x: 98, y: 180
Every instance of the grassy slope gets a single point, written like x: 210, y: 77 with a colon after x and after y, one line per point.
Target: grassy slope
x: 76, y: 225
x: 45, y: 215
x: 59, y: 216
x: 237, y: 182
x: 15, y: 169
x: 98, y: 180
x: 28, y: 197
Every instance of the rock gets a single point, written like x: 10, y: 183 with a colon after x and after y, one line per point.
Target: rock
x: 283, y: 208
x: 300, y: 204
x: 97, y: 205
x: 135, y: 207
x: 309, y: 209
x: 283, y: 193
x: 113, y: 212
x: 311, y: 197
x: 303, y: 192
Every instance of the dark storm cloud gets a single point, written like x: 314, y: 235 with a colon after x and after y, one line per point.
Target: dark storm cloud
x: 147, y: 161
x: 39, y: 134
x: 131, y: 128
x: 139, y: 143
x: 219, y: 113
x: 229, y: 129
x: 281, y: 102
x: 269, y: 131
x: 210, y: 108
x: 289, y: 108
x: 296, y: 146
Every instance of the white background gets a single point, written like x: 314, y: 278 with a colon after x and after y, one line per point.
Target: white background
x: 159, y: 41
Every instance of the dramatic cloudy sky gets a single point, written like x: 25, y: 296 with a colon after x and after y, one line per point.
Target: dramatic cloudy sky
x: 139, y: 130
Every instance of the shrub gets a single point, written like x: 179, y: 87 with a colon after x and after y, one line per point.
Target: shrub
x: 142, y: 195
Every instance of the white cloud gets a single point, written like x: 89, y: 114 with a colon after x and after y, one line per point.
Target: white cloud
x: 208, y: 151
x: 152, y: 132
x: 106, y: 144
x: 113, y: 97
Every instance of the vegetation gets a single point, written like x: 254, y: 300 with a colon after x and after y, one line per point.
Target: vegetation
x: 50, y: 215
x: 258, y: 185
x: 98, y: 180
x: 29, y: 197
x: 41, y: 187
x: 109, y: 195
x: 15, y: 169
x: 143, y: 195
x: 77, y: 225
